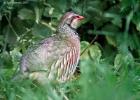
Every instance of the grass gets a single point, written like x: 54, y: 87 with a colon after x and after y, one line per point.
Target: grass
x: 109, y: 67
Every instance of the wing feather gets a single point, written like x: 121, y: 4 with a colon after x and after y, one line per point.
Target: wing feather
x: 58, y: 57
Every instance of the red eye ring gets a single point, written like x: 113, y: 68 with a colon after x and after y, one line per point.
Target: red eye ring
x: 79, y: 17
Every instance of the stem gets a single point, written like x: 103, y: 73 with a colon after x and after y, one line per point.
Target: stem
x: 89, y: 45
x: 10, y: 25
x: 49, y: 26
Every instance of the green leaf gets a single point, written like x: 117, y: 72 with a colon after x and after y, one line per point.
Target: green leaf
x: 42, y: 31
x: 122, y: 60
x: 111, y: 40
x: 16, y: 55
x: 26, y: 14
x: 90, y: 51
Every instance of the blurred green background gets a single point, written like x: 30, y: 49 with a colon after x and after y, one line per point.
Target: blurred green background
x: 109, y: 67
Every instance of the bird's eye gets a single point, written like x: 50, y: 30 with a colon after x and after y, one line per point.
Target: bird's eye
x: 74, y: 17
x: 78, y: 17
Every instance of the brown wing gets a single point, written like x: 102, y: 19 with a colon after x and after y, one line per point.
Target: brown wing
x: 55, y: 56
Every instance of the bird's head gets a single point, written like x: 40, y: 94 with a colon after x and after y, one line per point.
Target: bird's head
x: 71, y: 19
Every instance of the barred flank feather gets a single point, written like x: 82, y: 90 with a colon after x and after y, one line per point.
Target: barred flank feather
x: 64, y: 67
x: 69, y: 62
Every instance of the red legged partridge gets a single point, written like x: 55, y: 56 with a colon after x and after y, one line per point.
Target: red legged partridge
x: 55, y: 57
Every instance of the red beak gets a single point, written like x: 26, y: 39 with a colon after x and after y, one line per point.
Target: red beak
x: 80, y: 17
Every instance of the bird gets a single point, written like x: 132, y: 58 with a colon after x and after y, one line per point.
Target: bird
x: 55, y: 57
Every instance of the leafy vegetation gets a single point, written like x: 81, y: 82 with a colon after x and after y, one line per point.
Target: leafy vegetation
x: 110, y: 37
